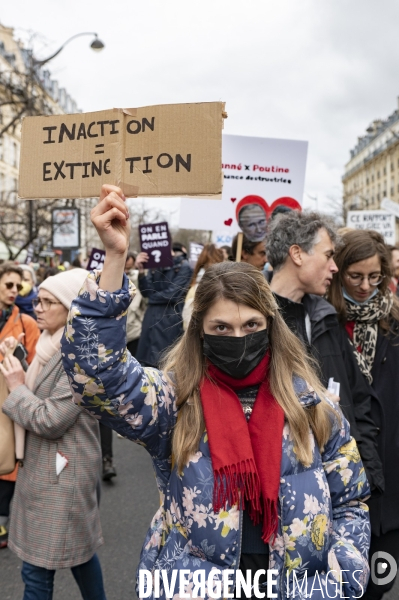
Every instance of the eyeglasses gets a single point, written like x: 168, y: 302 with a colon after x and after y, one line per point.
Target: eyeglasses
x: 10, y: 284
x: 45, y: 304
x: 374, y: 279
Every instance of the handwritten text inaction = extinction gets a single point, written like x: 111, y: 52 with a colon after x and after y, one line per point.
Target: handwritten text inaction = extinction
x: 55, y: 134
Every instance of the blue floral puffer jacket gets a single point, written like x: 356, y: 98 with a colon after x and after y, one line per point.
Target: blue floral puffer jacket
x: 324, y: 532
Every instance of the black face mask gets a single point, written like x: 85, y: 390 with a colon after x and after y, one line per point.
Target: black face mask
x: 236, y: 356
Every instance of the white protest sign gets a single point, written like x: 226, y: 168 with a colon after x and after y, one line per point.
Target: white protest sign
x: 263, y: 171
x: 195, y: 251
x: 390, y: 206
x: 377, y: 220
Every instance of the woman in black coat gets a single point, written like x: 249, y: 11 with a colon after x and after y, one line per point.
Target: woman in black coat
x: 370, y: 314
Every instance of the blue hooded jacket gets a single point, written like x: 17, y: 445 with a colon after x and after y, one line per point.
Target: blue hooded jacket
x: 324, y: 531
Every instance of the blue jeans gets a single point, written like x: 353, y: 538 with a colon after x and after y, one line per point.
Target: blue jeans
x: 39, y: 582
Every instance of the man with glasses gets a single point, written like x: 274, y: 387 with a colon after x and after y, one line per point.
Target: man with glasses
x: 20, y: 327
x: 301, y: 247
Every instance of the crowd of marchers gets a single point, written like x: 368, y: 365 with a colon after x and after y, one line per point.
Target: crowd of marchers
x: 225, y: 374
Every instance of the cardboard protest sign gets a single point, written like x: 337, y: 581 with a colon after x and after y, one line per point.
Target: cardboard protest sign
x: 262, y: 172
x: 156, y: 241
x: 96, y: 260
x: 165, y: 150
x: 377, y: 220
x: 195, y: 251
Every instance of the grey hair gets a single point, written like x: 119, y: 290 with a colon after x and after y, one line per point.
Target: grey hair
x: 296, y: 228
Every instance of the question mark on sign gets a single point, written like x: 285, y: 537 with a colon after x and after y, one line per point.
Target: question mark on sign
x: 157, y: 255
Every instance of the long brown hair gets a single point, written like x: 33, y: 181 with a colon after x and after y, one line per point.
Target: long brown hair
x: 243, y: 284
x: 210, y: 255
x: 360, y: 245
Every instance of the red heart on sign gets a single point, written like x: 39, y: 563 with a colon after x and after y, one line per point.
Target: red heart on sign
x: 233, y: 199
x: 228, y: 222
x: 285, y: 201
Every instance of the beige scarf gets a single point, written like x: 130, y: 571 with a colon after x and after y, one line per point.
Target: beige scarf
x: 46, y: 347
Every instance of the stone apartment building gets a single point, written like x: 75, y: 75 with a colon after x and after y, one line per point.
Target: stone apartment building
x: 372, y: 172
x: 50, y: 98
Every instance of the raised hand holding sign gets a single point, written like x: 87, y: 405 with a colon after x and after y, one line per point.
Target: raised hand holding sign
x: 111, y: 219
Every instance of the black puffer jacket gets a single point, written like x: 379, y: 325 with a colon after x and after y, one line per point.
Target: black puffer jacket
x: 331, y: 348
x: 384, y: 510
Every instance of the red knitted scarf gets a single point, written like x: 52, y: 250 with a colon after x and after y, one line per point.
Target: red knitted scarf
x: 246, y: 457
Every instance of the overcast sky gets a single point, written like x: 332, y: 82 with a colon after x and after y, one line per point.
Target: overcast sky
x: 316, y: 70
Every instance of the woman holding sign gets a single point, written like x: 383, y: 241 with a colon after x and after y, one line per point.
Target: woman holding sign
x: 256, y: 470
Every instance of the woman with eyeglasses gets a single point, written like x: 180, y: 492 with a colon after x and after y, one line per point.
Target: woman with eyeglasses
x: 18, y: 327
x: 370, y: 314
x: 55, y: 521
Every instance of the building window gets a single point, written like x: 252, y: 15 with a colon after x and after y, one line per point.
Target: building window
x: 378, y: 174
x: 13, y: 192
x: 14, y: 154
x: 367, y: 180
x: 378, y: 197
x: 392, y: 167
x: 372, y: 177
x: 2, y: 186
x: 392, y: 191
x: 385, y: 170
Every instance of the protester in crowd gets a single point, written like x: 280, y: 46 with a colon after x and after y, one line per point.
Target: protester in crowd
x: 394, y: 281
x: 49, y: 272
x: 130, y: 262
x: 274, y: 482
x: 226, y: 252
x: 210, y: 255
x: 29, y: 291
x: 23, y: 328
x: 137, y: 308
x: 55, y: 521
x: 165, y: 290
x: 301, y: 248
x: 76, y: 263
x: 253, y: 253
x: 369, y: 312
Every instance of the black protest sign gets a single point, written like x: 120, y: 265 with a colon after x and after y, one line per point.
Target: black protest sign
x: 96, y: 260
x: 155, y: 240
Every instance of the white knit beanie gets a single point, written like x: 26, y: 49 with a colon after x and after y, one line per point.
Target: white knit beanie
x: 65, y: 286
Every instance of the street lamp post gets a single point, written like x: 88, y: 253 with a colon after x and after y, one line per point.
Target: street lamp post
x: 96, y: 45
